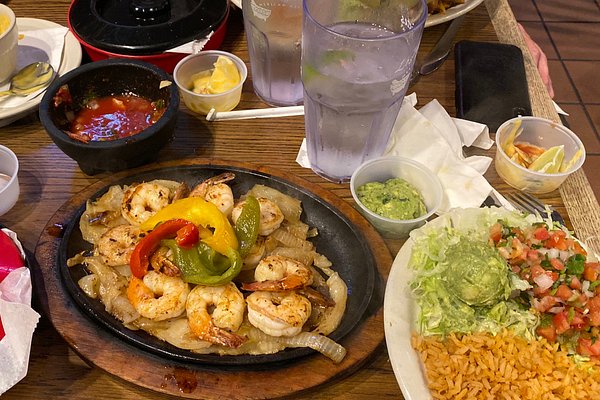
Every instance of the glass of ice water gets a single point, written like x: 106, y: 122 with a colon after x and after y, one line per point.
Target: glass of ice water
x: 274, y: 31
x: 357, y: 58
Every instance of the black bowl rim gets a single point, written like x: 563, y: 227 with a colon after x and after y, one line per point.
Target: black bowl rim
x: 92, y: 24
x: 59, y: 135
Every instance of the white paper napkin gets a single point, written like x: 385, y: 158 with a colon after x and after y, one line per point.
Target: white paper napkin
x: 19, y: 321
x: 36, y: 45
x: 193, y: 47
x: 433, y: 138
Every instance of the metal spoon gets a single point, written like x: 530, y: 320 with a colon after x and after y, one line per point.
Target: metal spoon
x: 438, y: 54
x: 31, y: 78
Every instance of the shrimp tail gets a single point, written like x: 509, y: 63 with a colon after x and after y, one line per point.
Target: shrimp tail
x: 224, y: 338
x: 290, y: 282
x: 201, y: 189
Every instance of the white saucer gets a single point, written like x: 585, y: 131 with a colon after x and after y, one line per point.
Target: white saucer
x: 71, y: 58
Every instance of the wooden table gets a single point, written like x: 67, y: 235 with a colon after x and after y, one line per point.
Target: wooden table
x: 48, y: 178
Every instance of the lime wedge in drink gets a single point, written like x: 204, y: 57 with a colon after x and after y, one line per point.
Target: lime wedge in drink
x: 549, y: 162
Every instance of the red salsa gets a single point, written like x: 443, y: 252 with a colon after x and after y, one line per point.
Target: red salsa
x: 114, y: 117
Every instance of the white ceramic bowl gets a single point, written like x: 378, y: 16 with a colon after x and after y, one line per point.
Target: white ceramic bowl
x: 9, y: 181
x: 8, y: 45
x: 384, y: 168
x: 202, y: 103
x: 540, y: 132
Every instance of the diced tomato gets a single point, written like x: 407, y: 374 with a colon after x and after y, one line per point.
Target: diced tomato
x: 588, y: 347
x: 518, y: 233
x: 548, y: 332
x: 538, y: 270
x: 541, y: 293
x: 496, y: 232
x: 591, y: 271
x: 557, y: 240
x: 575, y: 283
x: 593, y: 305
x: 533, y: 255
x: 519, y: 250
x: 557, y: 264
x: 561, y: 322
x: 578, y: 249
x: 544, y: 303
x: 563, y: 292
x: 578, y: 322
x: 541, y: 233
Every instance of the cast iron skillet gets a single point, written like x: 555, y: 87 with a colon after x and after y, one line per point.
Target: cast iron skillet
x: 338, y: 239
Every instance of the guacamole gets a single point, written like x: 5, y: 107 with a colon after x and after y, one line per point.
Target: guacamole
x: 394, y: 199
x: 476, y: 273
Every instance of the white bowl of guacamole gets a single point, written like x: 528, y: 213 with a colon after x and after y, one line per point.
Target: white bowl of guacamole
x: 395, y: 194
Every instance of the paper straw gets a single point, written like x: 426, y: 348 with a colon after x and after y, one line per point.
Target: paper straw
x: 255, y: 113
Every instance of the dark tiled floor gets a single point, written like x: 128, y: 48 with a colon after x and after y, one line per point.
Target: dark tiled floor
x: 569, y: 34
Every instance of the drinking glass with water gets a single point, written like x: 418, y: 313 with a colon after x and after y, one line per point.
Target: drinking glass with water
x: 357, y: 58
x: 273, y: 32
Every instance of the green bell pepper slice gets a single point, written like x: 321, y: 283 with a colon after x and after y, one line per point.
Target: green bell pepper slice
x: 247, y: 225
x: 202, y: 265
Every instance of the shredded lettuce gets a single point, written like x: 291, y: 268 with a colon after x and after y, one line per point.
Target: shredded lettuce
x: 462, y: 285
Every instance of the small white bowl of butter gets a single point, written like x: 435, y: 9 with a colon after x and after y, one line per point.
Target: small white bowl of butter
x: 210, y: 79
x: 9, y: 181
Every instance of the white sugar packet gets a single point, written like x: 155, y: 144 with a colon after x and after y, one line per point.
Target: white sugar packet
x: 19, y: 321
x: 36, y: 45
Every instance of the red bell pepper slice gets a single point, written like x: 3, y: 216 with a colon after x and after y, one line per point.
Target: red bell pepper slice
x: 184, y: 231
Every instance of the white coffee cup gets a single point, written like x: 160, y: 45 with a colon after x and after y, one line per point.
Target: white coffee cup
x: 8, y: 44
x: 9, y: 180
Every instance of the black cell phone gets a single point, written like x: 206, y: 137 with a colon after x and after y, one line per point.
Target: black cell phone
x: 491, y: 85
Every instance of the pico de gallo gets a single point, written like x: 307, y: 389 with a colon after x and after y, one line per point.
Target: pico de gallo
x: 565, y: 285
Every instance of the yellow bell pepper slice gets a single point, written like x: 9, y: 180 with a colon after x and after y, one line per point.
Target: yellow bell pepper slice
x: 221, y: 235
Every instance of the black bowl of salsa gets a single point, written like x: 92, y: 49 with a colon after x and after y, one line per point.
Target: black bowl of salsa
x: 111, y: 115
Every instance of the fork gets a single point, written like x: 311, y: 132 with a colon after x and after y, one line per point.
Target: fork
x: 528, y: 203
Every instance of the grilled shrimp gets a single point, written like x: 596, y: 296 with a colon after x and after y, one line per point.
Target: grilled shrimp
x: 278, y: 313
x: 271, y: 216
x: 158, y: 296
x: 274, y: 273
x: 256, y: 253
x: 228, y: 307
x: 143, y: 200
x: 116, y: 244
x: 216, y: 191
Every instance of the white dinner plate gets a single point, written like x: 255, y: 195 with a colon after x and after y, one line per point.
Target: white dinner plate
x: 399, y: 316
x: 452, y: 12
x: 432, y: 20
x: 400, y: 308
x: 71, y: 58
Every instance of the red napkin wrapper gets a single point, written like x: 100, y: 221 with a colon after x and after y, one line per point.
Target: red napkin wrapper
x: 17, y: 318
x: 10, y: 256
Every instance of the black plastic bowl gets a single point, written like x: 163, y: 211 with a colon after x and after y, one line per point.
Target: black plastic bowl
x: 106, y: 78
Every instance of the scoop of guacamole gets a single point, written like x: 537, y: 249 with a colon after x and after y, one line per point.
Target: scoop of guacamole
x: 394, y: 199
x: 476, y: 273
